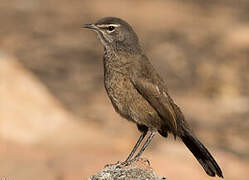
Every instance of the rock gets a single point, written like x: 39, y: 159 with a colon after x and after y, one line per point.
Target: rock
x: 137, y: 170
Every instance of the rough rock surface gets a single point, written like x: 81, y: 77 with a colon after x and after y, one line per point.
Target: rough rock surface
x: 137, y: 170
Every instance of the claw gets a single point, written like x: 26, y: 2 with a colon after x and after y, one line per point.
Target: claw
x: 115, y: 164
x: 144, y: 160
x: 119, y: 164
x: 127, y: 163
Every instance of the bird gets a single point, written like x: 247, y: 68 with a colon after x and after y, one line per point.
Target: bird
x: 139, y: 94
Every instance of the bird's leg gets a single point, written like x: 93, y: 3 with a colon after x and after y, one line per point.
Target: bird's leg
x: 147, y: 142
x: 128, y: 161
x: 135, y: 147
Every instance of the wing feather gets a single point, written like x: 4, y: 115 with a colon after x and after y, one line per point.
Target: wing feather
x: 158, y: 99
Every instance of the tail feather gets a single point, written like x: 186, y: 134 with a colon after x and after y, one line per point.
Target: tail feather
x: 201, y: 154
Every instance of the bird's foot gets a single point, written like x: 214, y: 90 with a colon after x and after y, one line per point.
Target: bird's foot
x: 129, y: 162
x: 124, y: 164
x: 118, y: 163
x: 143, y: 159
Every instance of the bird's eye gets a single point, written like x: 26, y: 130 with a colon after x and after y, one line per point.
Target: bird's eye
x: 111, y: 28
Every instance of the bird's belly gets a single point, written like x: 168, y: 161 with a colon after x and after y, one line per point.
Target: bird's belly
x: 128, y: 102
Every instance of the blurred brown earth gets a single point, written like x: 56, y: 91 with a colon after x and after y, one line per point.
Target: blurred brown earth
x: 56, y: 121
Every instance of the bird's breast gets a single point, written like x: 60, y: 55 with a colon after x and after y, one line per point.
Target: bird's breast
x: 119, y: 90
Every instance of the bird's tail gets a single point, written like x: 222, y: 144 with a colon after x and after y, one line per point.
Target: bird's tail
x: 201, y: 154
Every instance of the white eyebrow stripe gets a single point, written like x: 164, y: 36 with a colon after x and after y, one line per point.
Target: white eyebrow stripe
x: 107, y: 25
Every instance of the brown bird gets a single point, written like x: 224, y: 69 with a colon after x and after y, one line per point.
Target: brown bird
x: 140, y: 95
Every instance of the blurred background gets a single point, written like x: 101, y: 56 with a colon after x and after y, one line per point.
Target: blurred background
x: 56, y: 121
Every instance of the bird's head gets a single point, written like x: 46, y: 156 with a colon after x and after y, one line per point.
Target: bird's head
x: 115, y: 33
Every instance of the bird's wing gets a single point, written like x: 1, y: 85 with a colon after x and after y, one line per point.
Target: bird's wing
x: 158, y: 98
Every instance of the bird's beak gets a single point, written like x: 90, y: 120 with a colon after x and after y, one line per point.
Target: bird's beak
x: 90, y: 26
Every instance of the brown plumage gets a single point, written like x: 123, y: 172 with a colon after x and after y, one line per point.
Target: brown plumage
x: 140, y: 95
